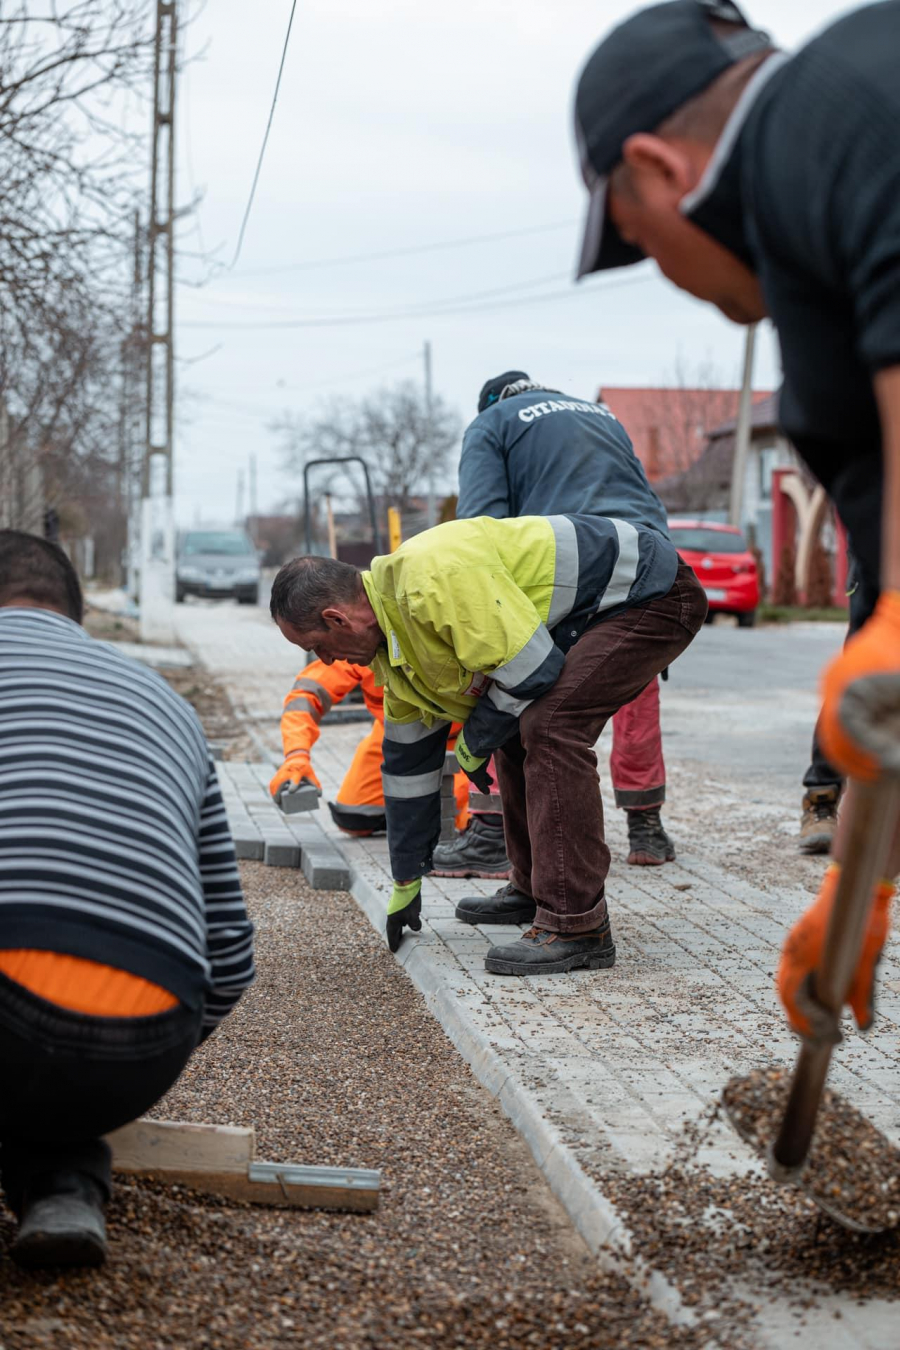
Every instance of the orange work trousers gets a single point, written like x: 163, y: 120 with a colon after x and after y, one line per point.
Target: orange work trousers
x: 359, y: 808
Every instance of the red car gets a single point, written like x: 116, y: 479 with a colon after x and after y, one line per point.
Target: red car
x: 724, y: 566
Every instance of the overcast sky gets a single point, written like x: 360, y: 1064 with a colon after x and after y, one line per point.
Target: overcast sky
x: 401, y: 125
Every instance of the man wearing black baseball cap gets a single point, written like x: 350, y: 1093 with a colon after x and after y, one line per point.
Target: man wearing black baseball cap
x: 770, y: 185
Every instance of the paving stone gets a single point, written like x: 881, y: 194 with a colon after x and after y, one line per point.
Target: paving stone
x: 325, y: 869
x: 302, y: 799
x: 281, y: 851
x: 252, y: 849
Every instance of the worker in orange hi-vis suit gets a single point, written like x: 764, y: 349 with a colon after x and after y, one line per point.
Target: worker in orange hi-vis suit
x: 359, y: 808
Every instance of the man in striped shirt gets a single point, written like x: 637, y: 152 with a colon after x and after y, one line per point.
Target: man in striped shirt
x: 124, y: 939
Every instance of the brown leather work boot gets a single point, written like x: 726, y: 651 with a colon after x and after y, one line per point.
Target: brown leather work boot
x: 819, y: 819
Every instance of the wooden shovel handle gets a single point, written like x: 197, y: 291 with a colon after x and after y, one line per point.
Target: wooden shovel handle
x: 874, y: 808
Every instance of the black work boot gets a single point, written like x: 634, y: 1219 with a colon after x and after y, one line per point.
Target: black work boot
x: 539, y: 952
x: 62, y: 1223
x: 648, y: 843
x: 819, y: 820
x: 505, y: 906
x: 479, y: 851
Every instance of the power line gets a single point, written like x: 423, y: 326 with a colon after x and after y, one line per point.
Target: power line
x: 464, y: 242
x: 255, y: 410
x: 353, y: 375
x: 449, y: 308
x: 413, y: 307
x: 265, y: 141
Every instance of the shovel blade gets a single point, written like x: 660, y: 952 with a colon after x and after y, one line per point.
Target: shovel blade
x: 852, y: 1172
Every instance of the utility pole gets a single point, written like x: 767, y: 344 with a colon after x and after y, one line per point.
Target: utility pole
x: 239, y: 501
x: 253, y: 501
x: 157, y: 581
x: 742, y: 430
x: 431, y: 516
x: 133, y: 417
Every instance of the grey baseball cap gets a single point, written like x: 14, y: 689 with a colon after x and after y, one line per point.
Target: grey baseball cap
x: 641, y: 72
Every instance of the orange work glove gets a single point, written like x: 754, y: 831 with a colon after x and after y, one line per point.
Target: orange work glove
x: 806, y: 941
x: 294, y: 769
x: 873, y: 651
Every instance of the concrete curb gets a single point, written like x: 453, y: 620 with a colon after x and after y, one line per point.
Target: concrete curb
x: 595, y: 1217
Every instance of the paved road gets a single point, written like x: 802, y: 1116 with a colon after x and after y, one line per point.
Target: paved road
x: 745, y: 700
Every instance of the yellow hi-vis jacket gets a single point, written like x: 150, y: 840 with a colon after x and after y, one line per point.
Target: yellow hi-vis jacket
x: 477, y: 616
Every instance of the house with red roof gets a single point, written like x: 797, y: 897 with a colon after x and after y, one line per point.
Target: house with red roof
x: 669, y: 427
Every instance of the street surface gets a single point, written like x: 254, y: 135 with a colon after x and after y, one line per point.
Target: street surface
x: 744, y: 699
x: 601, y: 1072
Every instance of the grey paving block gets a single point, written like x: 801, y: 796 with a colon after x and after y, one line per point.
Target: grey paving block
x: 306, y: 834
x: 302, y: 798
x: 281, y: 851
x: 325, y: 869
x: 248, y: 846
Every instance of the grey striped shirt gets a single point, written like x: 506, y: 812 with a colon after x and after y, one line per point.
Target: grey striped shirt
x: 114, y: 843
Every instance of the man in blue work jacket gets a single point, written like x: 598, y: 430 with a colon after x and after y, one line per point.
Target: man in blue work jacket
x: 534, y: 451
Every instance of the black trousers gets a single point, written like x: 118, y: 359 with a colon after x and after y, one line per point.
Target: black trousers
x: 69, y: 1079
x: 863, y: 599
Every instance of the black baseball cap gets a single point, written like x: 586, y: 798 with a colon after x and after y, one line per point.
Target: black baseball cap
x: 492, y: 389
x: 637, y: 77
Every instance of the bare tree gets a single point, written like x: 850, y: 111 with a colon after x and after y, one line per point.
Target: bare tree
x: 391, y: 430
x: 70, y: 176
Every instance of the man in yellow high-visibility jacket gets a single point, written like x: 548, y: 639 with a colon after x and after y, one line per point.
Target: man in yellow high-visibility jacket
x: 532, y: 632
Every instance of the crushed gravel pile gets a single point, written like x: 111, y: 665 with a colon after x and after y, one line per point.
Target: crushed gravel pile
x: 334, y: 1058
x: 730, y: 1243
x: 851, y: 1166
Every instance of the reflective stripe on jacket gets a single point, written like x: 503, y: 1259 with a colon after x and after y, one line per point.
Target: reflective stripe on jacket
x: 314, y: 692
x: 477, y: 616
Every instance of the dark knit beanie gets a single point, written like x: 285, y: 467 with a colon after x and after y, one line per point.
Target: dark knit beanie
x: 491, y: 391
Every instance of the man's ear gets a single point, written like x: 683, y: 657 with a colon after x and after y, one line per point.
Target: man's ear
x: 658, y: 164
x: 334, y: 618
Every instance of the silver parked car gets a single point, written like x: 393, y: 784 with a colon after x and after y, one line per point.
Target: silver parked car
x: 217, y: 563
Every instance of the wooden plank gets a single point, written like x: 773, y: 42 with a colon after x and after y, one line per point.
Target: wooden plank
x: 177, y: 1146
x: 219, y: 1160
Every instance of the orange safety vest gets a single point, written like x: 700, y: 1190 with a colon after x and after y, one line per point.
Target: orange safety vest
x: 315, y: 692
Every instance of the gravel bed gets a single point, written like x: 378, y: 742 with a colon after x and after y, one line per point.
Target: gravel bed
x: 851, y: 1166
x: 334, y: 1058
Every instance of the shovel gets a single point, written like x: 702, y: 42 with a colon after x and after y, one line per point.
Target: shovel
x: 873, y: 814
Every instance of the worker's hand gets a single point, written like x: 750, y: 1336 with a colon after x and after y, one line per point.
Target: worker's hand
x: 803, y: 948
x: 471, y: 765
x: 867, y: 672
x: 404, y: 911
x: 294, y: 771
